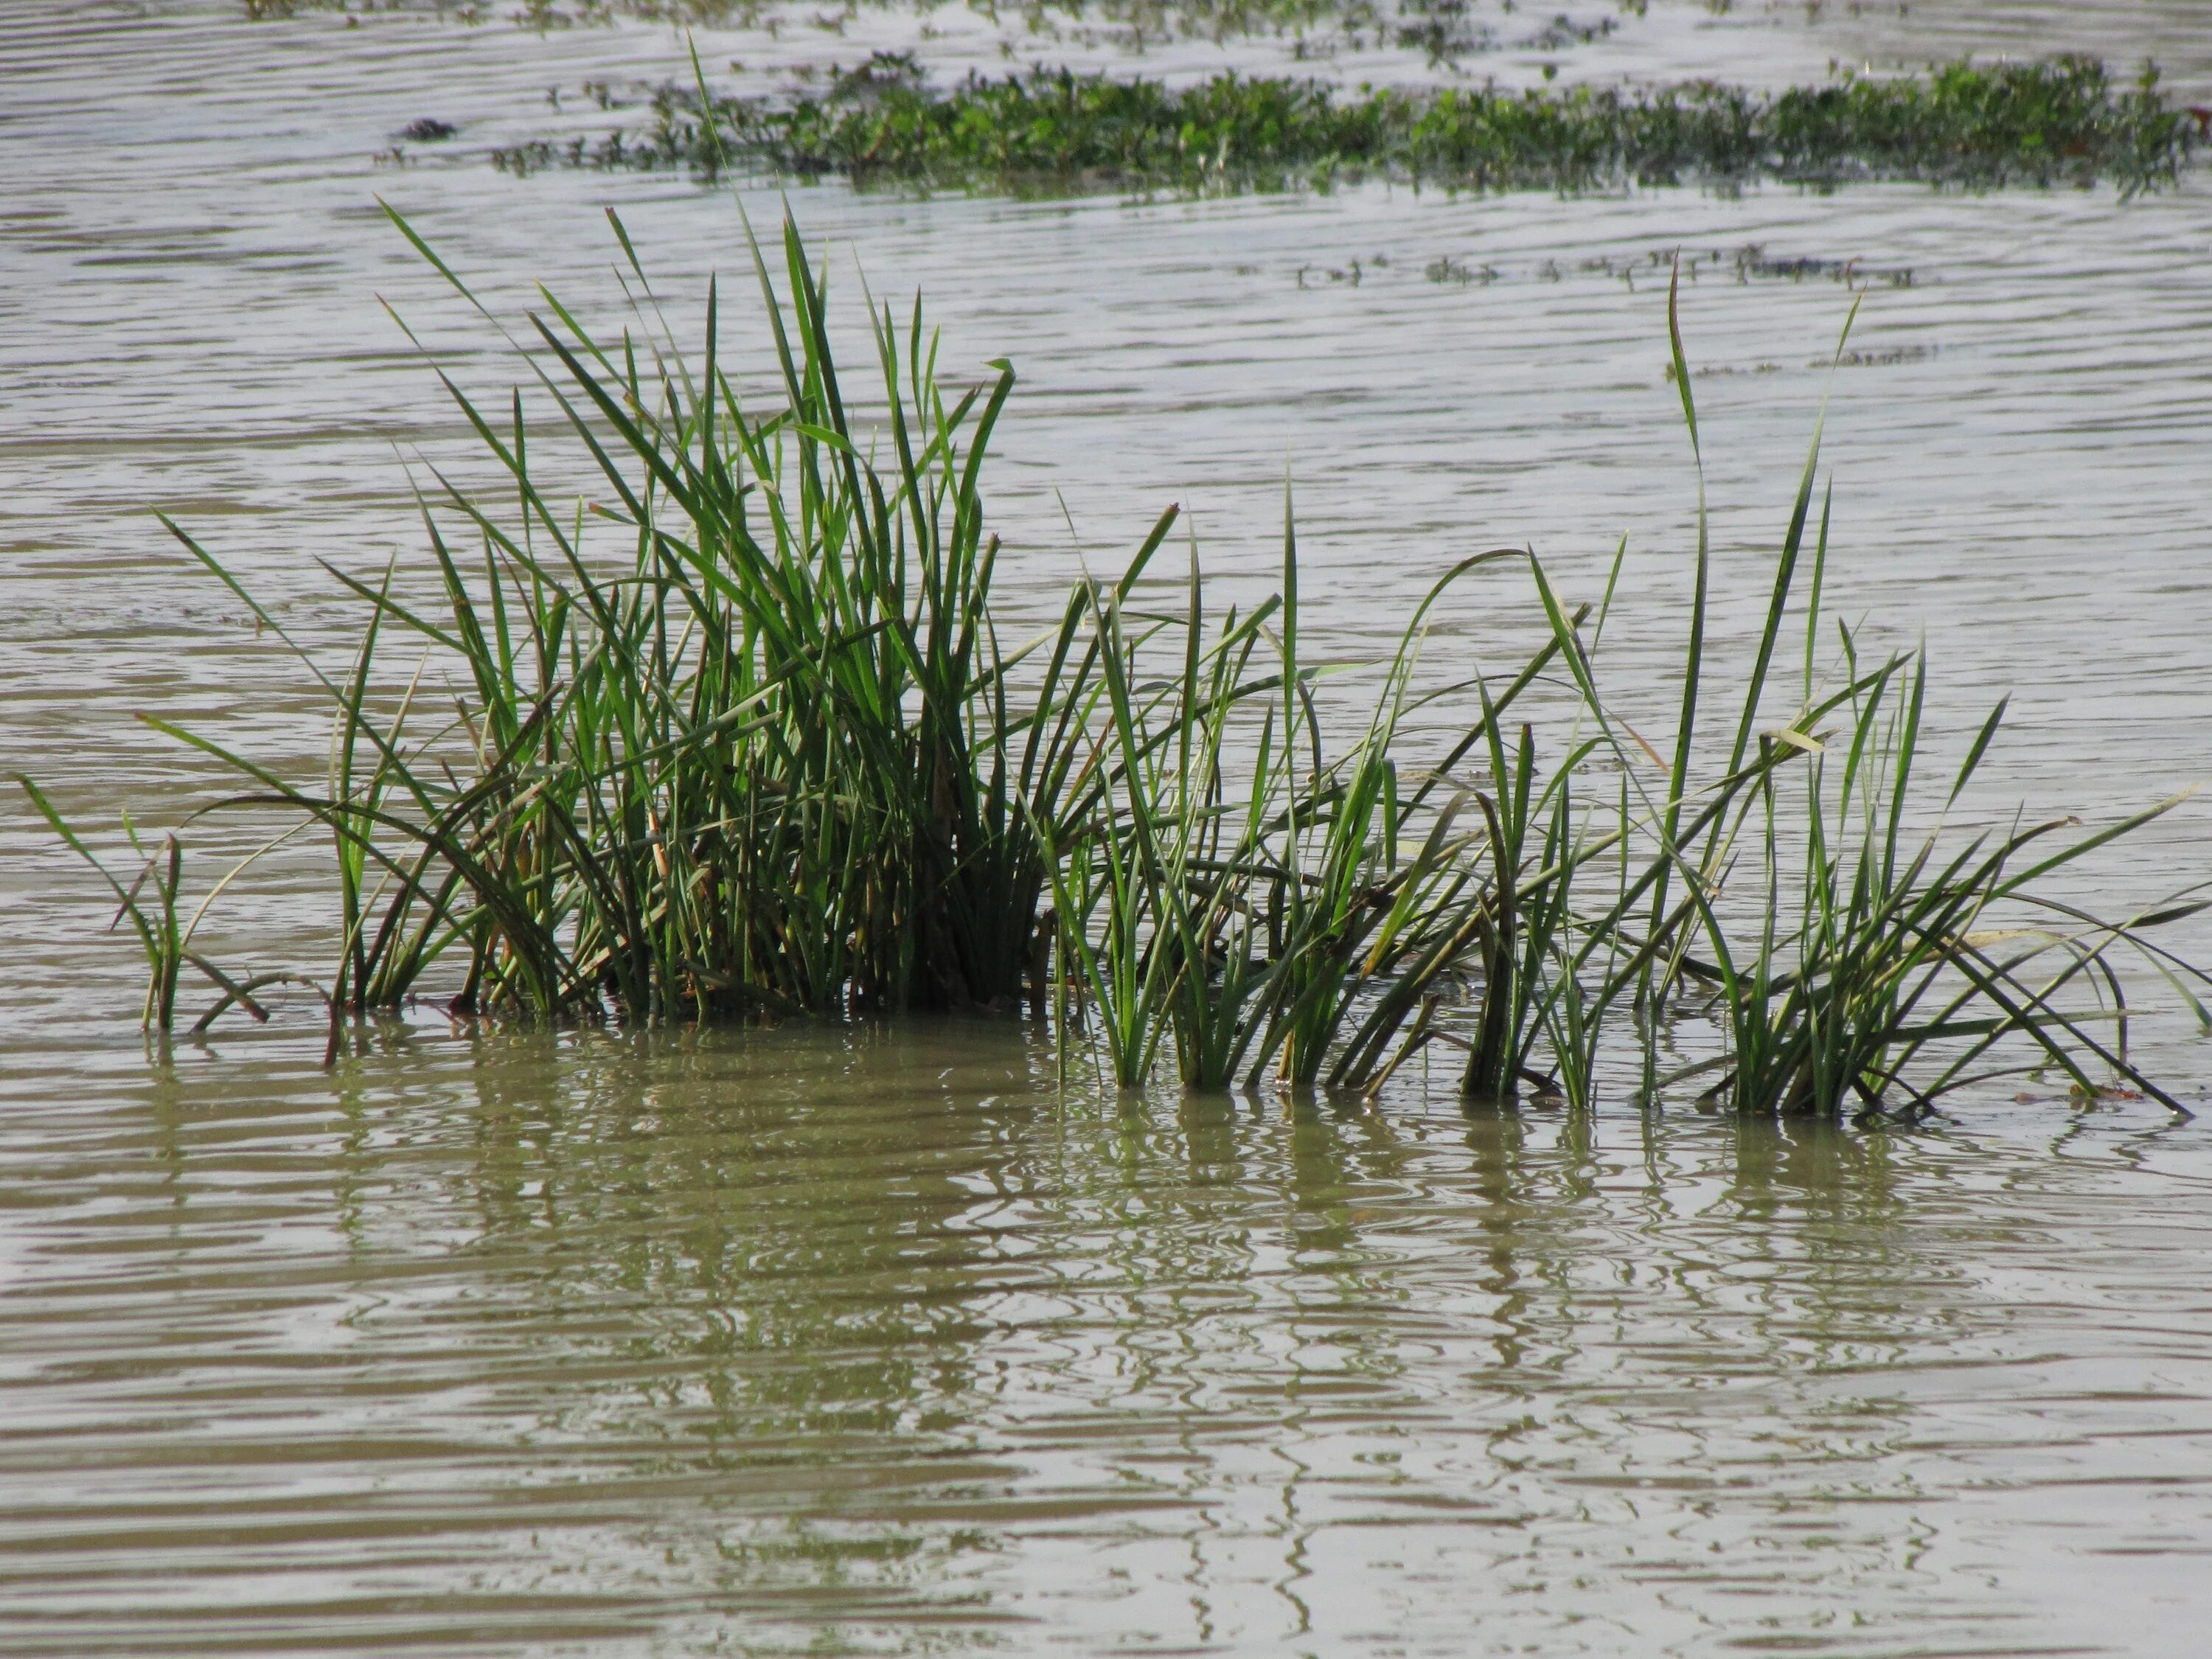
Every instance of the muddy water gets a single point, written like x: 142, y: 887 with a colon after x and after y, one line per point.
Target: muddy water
x: 874, y: 1341
x: 774, y: 1344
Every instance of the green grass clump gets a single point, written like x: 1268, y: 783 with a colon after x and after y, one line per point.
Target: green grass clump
x: 2060, y: 121
x: 1259, y: 902
x: 1872, y: 950
x: 741, y: 739
x: 764, y: 758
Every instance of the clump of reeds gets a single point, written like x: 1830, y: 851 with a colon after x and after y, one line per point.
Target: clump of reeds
x: 764, y: 753
x: 1877, y: 947
x: 2062, y: 120
x: 742, y: 740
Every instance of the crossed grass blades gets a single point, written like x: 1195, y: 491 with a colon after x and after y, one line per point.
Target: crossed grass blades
x: 767, y: 755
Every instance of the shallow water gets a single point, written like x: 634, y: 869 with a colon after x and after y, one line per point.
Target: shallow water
x: 770, y: 1344
x: 873, y: 1341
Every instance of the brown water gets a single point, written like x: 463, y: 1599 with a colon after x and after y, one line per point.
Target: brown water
x: 874, y: 1341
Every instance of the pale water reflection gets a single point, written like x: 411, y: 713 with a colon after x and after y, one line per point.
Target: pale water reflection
x: 787, y: 1342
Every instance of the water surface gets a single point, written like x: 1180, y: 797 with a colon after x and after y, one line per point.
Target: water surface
x: 876, y: 1341
x: 772, y: 1343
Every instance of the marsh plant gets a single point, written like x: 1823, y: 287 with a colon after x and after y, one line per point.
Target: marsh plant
x: 745, y: 736
x: 2064, y: 120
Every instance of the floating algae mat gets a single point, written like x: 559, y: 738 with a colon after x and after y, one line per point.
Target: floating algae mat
x: 743, y: 739
x: 2062, y: 121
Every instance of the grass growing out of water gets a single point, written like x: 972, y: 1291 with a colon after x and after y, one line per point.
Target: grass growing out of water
x: 765, y: 760
x: 153, y: 903
x: 1243, y: 898
x: 1873, y: 948
x: 2060, y: 121
x: 768, y: 755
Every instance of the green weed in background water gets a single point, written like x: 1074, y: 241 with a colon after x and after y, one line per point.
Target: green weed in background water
x: 2059, y: 121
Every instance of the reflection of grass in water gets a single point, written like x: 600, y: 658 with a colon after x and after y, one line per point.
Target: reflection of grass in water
x: 777, y: 752
x: 801, y: 1244
x: 2059, y: 122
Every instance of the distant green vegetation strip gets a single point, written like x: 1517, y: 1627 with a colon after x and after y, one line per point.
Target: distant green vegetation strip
x: 2062, y: 121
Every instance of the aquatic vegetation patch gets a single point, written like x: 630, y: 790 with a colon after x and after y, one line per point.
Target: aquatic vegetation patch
x: 2062, y: 121
x: 746, y: 735
x: 1439, y: 26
